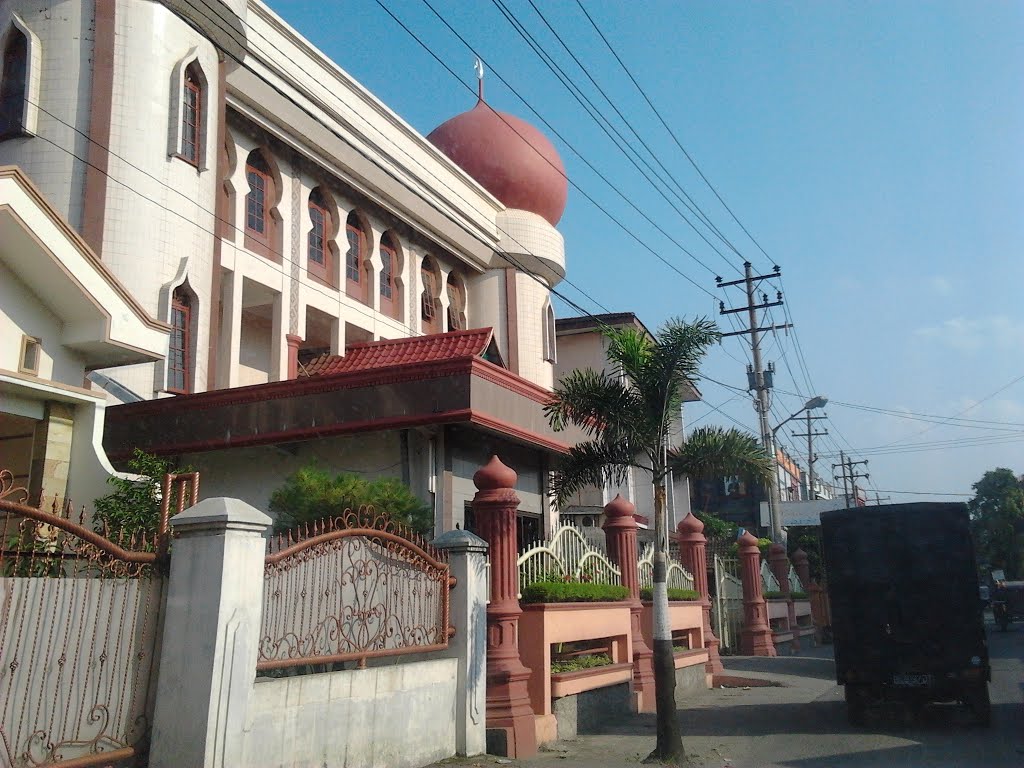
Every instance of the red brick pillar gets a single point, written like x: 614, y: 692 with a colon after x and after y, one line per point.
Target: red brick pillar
x: 694, y: 553
x: 510, y: 718
x: 779, y: 564
x: 293, y: 354
x: 803, y: 568
x: 756, y: 638
x: 620, y: 534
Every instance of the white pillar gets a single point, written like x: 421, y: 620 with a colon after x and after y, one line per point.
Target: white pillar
x: 467, y: 557
x: 230, y: 330
x: 211, y: 635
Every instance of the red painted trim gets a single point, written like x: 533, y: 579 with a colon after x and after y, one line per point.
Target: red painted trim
x: 496, y: 374
x: 508, y: 428
x: 94, y: 192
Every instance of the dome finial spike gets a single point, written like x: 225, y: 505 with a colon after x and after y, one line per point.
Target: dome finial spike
x: 478, y: 65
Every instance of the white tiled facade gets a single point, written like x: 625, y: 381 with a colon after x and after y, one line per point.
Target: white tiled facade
x: 152, y: 215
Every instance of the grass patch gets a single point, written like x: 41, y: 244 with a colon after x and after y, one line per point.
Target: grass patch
x: 581, y: 662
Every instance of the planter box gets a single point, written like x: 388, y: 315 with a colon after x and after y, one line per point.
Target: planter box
x: 683, y: 615
x: 543, y: 624
x: 571, y: 683
x: 690, y: 658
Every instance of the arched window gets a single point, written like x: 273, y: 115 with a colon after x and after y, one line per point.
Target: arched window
x: 179, y: 353
x: 355, y: 258
x: 390, y: 270
x: 260, y: 196
x: 12, y: 84
x: 548, y: 332
x: 192, y: 107
x: 456, y: 304
x: 428, y: 297
x: 319, y: 253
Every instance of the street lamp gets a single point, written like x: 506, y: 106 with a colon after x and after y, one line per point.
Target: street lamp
x: 774, y: 499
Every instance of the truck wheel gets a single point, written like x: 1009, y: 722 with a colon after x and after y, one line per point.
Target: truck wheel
x: 856, y: 704
x: 977, y: 699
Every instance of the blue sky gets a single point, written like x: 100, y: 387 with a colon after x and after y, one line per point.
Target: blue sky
x: 874, y: 150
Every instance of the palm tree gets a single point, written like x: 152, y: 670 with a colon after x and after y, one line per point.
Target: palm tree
x: 711, y: 453
x: 627, y: 414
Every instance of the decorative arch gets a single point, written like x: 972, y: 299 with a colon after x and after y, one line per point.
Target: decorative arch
x: 190, y: 112
x: 262, y: 222
x: 430, y: 304
x: 548, y: 334
x: 391, y: 286
x: 358, y: 270
x: 180, y: 309
x: 321, y: 239
x: 455, y: 287
x: 227, y: 162
x: 20, y: 65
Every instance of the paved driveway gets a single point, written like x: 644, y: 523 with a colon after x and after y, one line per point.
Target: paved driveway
x: 803, y: 724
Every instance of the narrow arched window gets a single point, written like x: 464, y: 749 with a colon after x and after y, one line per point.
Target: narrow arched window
x: 550, y: 347
x: 258, y: 199
x: 12, y: 84
x: 355, y: 259
x: 179, y: 361
x: 428, y: 313
x: 319, y: 233
x: 192, y: 115
x: 388, y: 259
x: 456, y: 303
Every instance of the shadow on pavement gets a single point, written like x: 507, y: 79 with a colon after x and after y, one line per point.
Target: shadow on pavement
x: 819, y: 668
x: 816, y: 717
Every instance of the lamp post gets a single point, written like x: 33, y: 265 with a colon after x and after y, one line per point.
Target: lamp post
x: 774, y: 499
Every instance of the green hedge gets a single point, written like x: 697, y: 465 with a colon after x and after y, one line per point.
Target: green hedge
x: 673, y: 594
x: 572, y: 592
x: 776, y: 595
x: 797, y: 594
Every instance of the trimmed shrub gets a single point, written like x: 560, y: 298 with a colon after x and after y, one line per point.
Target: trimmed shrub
x: 674, y: 594
x: 573, y: 592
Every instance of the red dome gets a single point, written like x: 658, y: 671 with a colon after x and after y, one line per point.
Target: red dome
x: 508, y: 157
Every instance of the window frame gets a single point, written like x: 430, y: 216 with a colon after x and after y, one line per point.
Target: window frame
x: 30, y: 342
x: 192, y: 134
x: 180, y: 303
x: 319, y: 269
x: 428, y: 298
x: 264, y: 235
x: 456, y: 303
x: 355, y: 287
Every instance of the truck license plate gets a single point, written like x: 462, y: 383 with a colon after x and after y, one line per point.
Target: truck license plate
x: 911, y: 681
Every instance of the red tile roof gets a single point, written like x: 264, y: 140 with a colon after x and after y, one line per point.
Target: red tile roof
x: 407, y: 351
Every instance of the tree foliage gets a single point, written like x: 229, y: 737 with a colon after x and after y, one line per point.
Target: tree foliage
x: 997, y: 521
x: 313, y: 493
x: 627, y: 414
x: 133, y: 508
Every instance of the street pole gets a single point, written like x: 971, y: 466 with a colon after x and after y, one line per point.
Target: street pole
x: 758, y: 381
x: 811, y: 458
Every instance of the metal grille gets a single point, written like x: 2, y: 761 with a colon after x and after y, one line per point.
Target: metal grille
x: 78, y: 634
x: 678, y: 577
x: 566, y: 555
x: 768, y: 581
x: 728, y: 603
x: 352, y: 588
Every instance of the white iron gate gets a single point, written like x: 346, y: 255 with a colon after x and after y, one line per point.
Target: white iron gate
x: 728, y: 602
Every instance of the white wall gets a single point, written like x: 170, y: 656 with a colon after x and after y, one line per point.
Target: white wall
x: 396, y: 716
x: 252, y: 474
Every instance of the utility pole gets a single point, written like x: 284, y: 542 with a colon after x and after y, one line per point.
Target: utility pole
x: 758, y: 379
x: 879, y: 497
x: 847, y: 465
x: 810, y: 434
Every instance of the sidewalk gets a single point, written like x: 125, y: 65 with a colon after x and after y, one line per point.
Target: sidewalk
x: 717, y: 724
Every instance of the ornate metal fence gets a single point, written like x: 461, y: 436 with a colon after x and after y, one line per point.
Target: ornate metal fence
x: 795, y: 585
x: 768, y: 581
x: 79, y: 617
x: 728, y: 603
x: 352, y: 588
x: 678, y: 577
x: 567, y: 554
